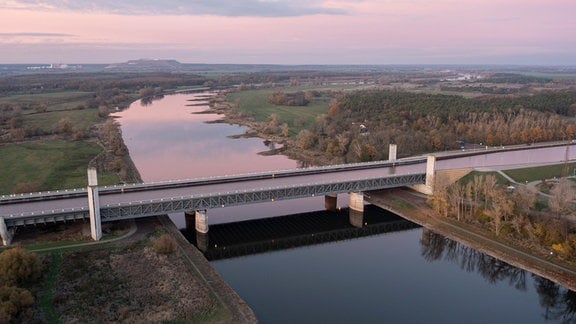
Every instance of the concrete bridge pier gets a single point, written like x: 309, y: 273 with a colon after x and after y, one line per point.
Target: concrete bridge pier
x: 4, y: 233
x: 202, y: 240
x: 356, y: 209
x: 94, y: 205
x: 330, y: 202
x: 428, y: 187
x: 356, y: 218
x: 201, y: 221
x: 190, y: 220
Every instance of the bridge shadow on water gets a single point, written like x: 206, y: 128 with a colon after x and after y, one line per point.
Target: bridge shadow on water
x: 284, y: 232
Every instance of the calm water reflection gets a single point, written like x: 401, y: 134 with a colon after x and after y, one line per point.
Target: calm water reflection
x: 412, y: 276
x: 168, y: 140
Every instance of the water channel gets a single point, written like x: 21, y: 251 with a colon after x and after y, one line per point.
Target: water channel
x: 405, y: 276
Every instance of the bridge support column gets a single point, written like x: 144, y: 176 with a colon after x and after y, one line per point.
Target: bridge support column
x: 4, y: 233
x: 428, y: 187
x: 201, y: 221
x: 94, y: 205
x: 330, y: 202
x: 202, y: 240
x: 392, y: 148
x: 430, y: 174
x: 356, y: 209
x: 190, y: 220
x: 356, y: 218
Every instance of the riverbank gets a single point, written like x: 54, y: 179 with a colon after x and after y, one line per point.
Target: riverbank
x: 412, y: 206
x: 291, y: 149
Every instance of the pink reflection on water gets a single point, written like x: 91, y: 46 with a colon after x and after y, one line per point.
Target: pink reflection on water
x: 168, y: 141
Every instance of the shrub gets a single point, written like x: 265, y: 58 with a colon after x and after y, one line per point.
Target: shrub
x: 17, y: 266
x: 165, y: 244
x: 13, y: 303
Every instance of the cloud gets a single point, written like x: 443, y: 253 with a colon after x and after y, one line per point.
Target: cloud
x: 35, y: 35
x: 229, y: 8
x: 35, y: 38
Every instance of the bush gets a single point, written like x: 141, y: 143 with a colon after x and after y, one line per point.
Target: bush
x: 17, y: 266
x: 13, y: 302
x: 164, y: 244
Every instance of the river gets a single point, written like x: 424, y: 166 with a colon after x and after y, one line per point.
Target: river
x: 408, y: 276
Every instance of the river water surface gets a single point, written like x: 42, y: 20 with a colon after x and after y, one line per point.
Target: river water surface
x: 409, y: 276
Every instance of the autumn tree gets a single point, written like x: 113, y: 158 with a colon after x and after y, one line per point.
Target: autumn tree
x: 305, y: 139
x: 14, y: 302
x: 17, y: 266
x: 64, y: 126
x: 561, y: 196
x: 272, y: 124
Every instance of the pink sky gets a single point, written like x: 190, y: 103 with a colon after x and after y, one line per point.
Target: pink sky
x: 290, y: 31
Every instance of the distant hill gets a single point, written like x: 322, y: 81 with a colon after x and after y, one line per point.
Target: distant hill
x: 146, y: 65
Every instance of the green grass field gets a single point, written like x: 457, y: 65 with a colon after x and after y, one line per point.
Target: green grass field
x: 255, y: 103
x: 541, y: 172
x: 54, y: 101
x: 48, y: 165
x: 81, y: 119
x: 523, y: 175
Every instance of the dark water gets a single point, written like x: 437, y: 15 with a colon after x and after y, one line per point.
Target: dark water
x: 408, y: 276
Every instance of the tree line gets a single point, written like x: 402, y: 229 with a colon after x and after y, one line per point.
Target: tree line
x: 514, y: 213
x: 420, y: 123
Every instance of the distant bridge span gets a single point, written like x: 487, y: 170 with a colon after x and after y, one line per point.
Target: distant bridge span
x: 102, y: 204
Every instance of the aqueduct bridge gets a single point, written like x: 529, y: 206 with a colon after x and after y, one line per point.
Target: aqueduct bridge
x: 111, y: 203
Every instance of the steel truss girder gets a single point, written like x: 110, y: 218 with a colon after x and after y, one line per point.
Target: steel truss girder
x: 218, y: 200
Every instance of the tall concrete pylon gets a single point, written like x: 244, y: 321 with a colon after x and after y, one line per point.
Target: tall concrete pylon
x: 392, y: 150
x: 94, y: 205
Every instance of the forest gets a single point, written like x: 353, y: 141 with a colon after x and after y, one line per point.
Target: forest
x: 358, y: 126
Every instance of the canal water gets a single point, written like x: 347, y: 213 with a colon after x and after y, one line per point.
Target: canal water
x: 407, y: 276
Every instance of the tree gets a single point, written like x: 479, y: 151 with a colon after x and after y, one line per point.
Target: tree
x: 13, y: 302
x: 18, y: 266
x: 103, y: 111
x: 560, y: 198
x: 306, y: 139
x: 64, y: 126
x: 272, y: 125
x: 285, y: 130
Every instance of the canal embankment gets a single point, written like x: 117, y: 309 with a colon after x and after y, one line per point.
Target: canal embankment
x: 240, y: 312
x: 412, y: 206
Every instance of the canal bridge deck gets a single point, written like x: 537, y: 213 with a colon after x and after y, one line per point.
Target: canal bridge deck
x: 143, y: 200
